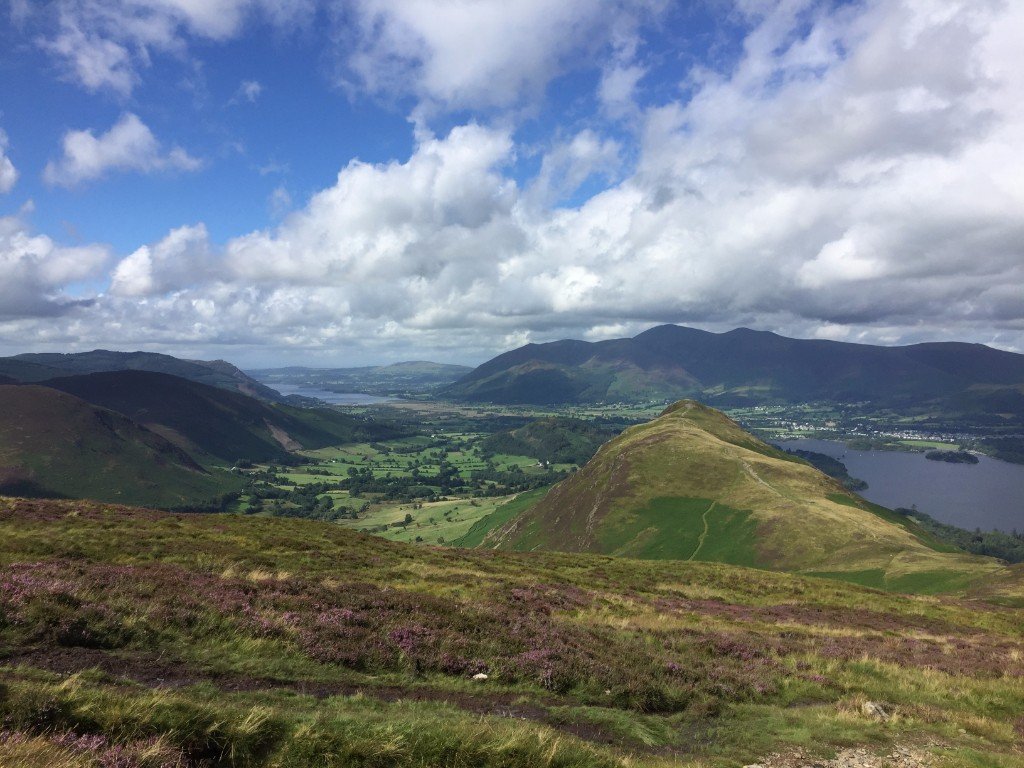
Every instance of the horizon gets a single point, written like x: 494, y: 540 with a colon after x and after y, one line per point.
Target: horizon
x: 340, y: 183
x: 246, y: 368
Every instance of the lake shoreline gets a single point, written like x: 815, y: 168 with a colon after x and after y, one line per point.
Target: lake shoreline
x: 987, y: 495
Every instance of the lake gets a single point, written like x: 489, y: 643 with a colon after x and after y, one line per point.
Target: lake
x: 986, y: 495
x: 334, y: 398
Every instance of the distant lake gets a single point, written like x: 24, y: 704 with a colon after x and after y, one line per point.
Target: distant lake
x: 334, y: 398
x: 986, y: 495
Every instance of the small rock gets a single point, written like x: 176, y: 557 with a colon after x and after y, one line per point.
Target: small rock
x: 875, y: 710
x: 480, y: 676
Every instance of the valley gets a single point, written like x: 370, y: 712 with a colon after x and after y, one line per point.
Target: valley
x: 472, y: 583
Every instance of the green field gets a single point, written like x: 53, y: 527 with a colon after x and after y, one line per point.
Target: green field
x: 437, y: 522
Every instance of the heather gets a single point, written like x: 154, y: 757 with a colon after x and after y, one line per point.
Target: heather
x: 136, y: 638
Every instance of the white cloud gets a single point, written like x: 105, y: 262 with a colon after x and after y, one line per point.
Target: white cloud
x: 96, y: 62
x: 34, y: 271
x: 617, y: 89
x: 182, y: 259
x: 103, y: 44
x: 477, y: 53
x: 248, y: 90
x: 280, y: 202
x: 8, y: 173
x: 568, y: 165
x: 129, y: 145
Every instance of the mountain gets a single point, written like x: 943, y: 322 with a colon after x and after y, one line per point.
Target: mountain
x: 36, y: 367
x: 692, y: 485
x: 745, y: 367
x: 135, y: 638
x: 215, y: 422
x: 416, y: 377
x: 54, y: 444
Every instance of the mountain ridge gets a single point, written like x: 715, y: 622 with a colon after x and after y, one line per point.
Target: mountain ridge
x: 216, y: 422
x: 744, y: 366
x: 32, y: 367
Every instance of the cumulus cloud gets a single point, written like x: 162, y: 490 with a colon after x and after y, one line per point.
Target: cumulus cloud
x: 182, y: 259
x: 129, y: 145
x: 8, y: 173
x: 104, y: 44
x: 476, y: 54
x: 34, y: 271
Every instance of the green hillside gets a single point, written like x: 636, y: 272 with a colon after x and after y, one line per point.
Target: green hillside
x: 53, y: 444
x: 692, y: 485
x: 217, y: 423
x: 134, y: 638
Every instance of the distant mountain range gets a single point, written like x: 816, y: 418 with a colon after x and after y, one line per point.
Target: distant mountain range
x: 414, y: 377
x: 36, y: 367
x: 748, y: 367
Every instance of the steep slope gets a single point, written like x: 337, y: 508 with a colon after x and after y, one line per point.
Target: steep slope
x: 692, y: 485
x: 53, y: 444
x: 224, y: 425
x: 744, y: 366
x: 36, y: 367
x: 133, y: 638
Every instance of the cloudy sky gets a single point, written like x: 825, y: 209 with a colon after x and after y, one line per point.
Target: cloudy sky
x: 359, y: 181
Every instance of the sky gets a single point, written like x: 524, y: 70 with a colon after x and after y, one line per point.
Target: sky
x: 289, y: 182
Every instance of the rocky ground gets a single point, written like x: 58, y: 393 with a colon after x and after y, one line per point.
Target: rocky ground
x: 899, y: 757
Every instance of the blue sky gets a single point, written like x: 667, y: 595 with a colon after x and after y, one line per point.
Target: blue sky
x: 338, y: 183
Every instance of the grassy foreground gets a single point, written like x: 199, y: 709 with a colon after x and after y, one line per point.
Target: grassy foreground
x: 136, y: 638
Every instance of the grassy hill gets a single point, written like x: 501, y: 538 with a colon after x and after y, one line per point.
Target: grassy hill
x: 53, y: 444
x: 37, y: 367
x: 130, y: 637
x: 745, y: 366
x: 215, y: 422
x: 692, y: 485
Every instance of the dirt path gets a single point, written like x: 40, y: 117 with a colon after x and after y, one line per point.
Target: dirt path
x: 704, y: 533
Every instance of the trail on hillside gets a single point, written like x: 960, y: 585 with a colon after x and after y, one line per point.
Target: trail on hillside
x: 750, y: 471
x: 704, y: 533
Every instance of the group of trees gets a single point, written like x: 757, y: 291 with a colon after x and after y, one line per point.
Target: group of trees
x: 309, y: 501
x: 1005, y: 546
x: 446, y: 481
